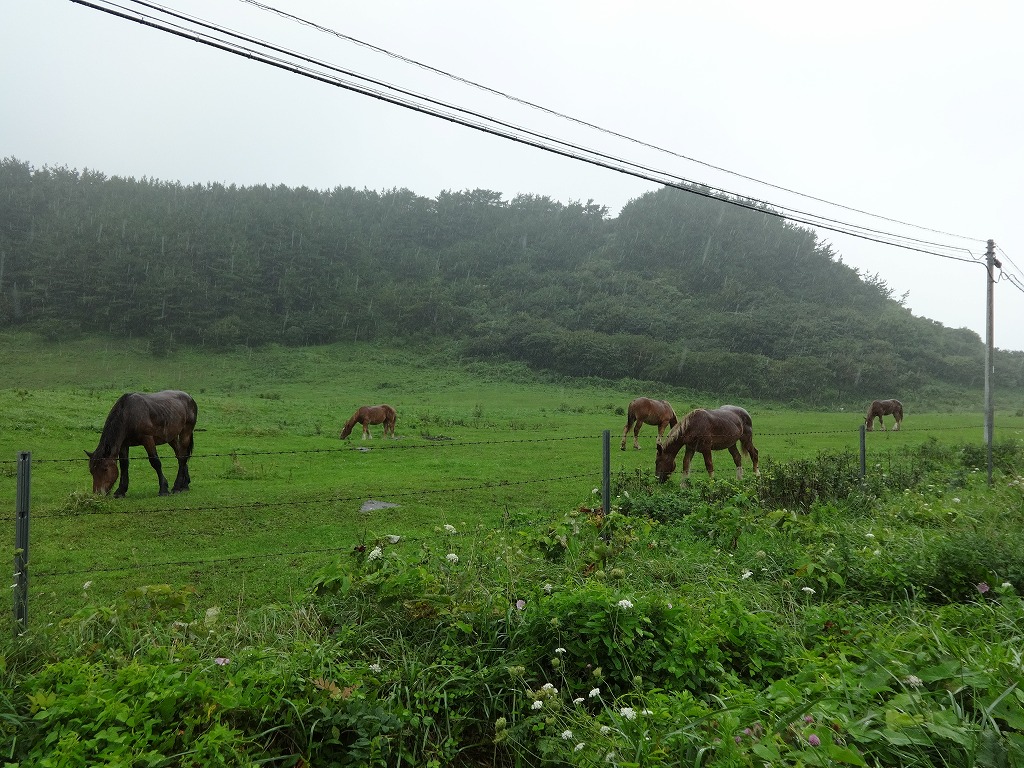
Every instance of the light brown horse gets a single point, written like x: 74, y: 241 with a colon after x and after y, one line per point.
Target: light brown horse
x: 882, y: 408
x: 149, y: 420
x: 705, y: 431
x: 644, y: 410
x: 371, y: 414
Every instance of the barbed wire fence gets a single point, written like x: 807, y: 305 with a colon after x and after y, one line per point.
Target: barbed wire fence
x: 24, y: 462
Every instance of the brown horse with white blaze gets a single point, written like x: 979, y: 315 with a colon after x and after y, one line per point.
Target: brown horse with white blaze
x: 703, y: 431
x: 882, y: 408
x: 149, y: 420
x: 371, y: 414
x: 644, y: 410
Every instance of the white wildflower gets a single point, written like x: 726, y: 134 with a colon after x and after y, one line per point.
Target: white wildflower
x: 606, y: 729
x: 594, y: 693
x: 549, y: 688
x: 870, y: 535
x: 449, y: 528
x: 628, y: 712
x: 87, y: 585
x: 913, y: 681
x: 747, y: 573
x: 625, y: 604
x: 567, y: 734
x: 579, y: 746
x: 452, y: 558
x: 538, y: 704
x: 548, y: 587
x: 375, y: 668
x: 394, y: 539
x: 375, y: 554
x: 578, y: 700
x: 808, y: 590
x: 559, y: 651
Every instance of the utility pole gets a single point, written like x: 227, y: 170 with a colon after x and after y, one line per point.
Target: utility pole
x: 991, y: 262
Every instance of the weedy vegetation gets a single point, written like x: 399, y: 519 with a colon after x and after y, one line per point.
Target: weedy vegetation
x: 496, y: 615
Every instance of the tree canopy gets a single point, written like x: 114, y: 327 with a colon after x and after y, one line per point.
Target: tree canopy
x: 680, y: 288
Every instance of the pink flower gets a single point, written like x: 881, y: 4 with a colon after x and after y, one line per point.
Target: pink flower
x: 808, y: 718
x: 221, y: 661
x: 520, y: 605
x: 813, y: 740
x: 982, y: 587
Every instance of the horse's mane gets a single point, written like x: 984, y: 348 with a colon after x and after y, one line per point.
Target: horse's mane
x: 115, y: 429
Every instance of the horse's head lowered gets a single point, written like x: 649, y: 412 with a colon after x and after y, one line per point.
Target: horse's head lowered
x: 664, y: 464
x: 104, y: 472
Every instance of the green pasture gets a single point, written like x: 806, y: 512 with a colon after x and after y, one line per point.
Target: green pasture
x: 492, y: 617
x: 275, y: 494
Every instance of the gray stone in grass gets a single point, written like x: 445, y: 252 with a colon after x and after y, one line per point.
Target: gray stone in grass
x: 371, y: 505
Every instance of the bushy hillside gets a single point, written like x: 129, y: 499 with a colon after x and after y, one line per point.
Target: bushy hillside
x: 678, y: 288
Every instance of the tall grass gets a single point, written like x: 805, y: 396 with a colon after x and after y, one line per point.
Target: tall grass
x: 804, y: 618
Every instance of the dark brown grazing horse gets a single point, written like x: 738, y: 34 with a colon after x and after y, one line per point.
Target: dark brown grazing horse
x: 644, y: 410
x: 371, y: 414
x: 705, y: 431
x: 882, y: 408
x: 149, y: 420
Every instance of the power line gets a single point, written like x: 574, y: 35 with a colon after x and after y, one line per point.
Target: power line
x: 519, y: 134
x: 578, y: 121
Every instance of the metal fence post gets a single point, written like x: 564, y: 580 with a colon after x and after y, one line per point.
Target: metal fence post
x: 606, y: 472
x: 21, y: 541
x: 863, y: 452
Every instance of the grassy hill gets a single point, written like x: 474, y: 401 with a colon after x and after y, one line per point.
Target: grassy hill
x: 495, y: 616
x: 680, y: 289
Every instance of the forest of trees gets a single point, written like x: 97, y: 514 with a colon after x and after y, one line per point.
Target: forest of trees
x: 679, y: 288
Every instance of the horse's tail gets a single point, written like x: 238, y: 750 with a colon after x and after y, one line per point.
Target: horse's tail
x: 672, y: 419
x: 389, y: 420
x: 193, y: 416
x: 631, y: 414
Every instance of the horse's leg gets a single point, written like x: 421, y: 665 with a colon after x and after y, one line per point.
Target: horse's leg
x: 182, y: 449
x: 752, y: 453
x: 122, y: 460
x: 687, y: 458
x: 881, y: 422
x: 898, y: 422
x: 708, y: 465
x: 738, y: 459
x: 661, y: 430
x: 366, y: 430
x: 154, y: 462
x: 625, y: 432
x: 636, y: 433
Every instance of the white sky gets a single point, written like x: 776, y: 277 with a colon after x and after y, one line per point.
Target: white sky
x: 912, y: 110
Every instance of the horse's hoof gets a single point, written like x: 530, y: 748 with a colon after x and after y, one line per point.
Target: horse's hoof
x: 119, y: 494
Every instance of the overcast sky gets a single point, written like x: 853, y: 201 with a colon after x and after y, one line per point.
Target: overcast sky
x: 911, y: 110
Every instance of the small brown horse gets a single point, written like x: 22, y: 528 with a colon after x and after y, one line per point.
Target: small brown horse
x: 705, y: 431
x: 371, y: 414
x: 644, y: 410
x: 149, y: 420
x: 882, y: 408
